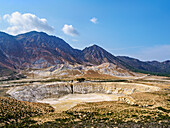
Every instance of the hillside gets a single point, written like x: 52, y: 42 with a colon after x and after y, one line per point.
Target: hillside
x: 39, y: 50
x: 5, y: 71
x: 102, y: 71
x: 97, y: 55
x: 152, y: 67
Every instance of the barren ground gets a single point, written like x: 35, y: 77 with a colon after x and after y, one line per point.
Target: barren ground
x: 142, y: 108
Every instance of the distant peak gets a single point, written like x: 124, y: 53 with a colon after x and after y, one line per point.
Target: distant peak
x: 4, y: 34
x: 93, y: 46
x: 34, y: 32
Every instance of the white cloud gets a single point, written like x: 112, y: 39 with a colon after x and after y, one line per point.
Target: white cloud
x: 21, y: 23
x: 94, y: 20
x: 70, y: 30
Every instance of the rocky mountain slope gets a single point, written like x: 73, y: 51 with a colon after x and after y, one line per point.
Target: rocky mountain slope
x: 35, y: 49
x: 38, y: 50
x: 102, y: 71
x: 97, y: 55
x: 155, y: 67
x: 5, y: 71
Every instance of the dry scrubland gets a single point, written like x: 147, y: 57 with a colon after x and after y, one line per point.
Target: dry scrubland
x: 15, y: 113
x: 150, y: 109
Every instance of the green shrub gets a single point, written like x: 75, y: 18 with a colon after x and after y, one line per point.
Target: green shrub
x: 80, y: 79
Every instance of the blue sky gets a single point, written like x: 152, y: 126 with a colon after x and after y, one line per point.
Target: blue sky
x: 136, y: 28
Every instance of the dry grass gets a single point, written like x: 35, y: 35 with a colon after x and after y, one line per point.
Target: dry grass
x: 91, y: 75
x: 151, y: 109
x: 106, y: 114
x: 13, y: 111
x: 153, y: 99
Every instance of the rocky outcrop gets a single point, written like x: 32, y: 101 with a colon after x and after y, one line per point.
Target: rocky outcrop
x: 127, y: 99
x: 67, y: 70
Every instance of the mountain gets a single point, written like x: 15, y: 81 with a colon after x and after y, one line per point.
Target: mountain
x: 38, y: 50
x: 35, y: 50
x: 97, y: 55
x: 50, y: 48
x: 152, y: 67
x: 5, y: 71
x: 9, y: 47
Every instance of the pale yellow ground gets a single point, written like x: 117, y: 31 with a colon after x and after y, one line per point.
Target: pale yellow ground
x: 71, y: 100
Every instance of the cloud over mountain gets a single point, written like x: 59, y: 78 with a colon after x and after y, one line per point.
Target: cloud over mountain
x: 21, y: 23
x: 70, y: 30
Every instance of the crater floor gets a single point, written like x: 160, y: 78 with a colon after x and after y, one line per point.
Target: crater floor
x: 71, y: 100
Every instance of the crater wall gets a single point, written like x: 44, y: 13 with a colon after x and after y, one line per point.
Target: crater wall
x: 40, y: 91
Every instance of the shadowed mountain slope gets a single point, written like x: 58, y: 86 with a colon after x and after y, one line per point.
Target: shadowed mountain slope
x: 155, y: 67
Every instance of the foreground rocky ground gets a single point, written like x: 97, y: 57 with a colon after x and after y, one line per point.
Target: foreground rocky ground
x: 149, y: 109
x: 100, y: 114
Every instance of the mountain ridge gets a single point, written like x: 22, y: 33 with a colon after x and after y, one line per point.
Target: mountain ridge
x: 152, y: 67
x: 34, y: 46
x: 38, y: 50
